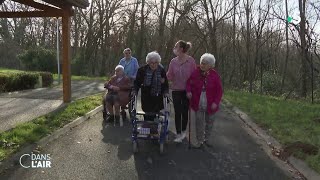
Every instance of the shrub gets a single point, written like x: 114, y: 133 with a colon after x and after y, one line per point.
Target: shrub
x: 18, y: 81
x: 47, y: 78
x: 39, y: 59
x: 271, y: 84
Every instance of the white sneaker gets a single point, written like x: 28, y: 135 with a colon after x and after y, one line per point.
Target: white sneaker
x: 183, y: 135
x: 178, y: 138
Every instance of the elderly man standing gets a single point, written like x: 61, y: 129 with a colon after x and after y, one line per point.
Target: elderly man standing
x: 152, y: 80
x: 130, y: 64
x: 204, y: 90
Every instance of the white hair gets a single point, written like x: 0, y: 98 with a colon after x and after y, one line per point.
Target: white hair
x: 153, y: 56
x: 208, y: 59
x: 119, y: 67
x: 126, y: 49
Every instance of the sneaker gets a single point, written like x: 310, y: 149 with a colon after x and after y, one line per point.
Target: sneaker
x: 183, y: 135
x: 178, y: 138
x: 207, y: 144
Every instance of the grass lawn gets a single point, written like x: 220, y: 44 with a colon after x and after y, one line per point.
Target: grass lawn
x: 11, y: 141
x: 55, y: 76
x: 80, y: 78
x: 288, y: 121
x: 3, y: 70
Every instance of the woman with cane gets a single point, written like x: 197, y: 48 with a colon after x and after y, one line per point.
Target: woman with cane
x: 204, y: 90
x: 180, y: 69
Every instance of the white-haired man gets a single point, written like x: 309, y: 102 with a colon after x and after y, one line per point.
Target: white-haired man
x: 204, y: 90
x: 152, y: 80
x: 129, y: 63
x: 118, y: 94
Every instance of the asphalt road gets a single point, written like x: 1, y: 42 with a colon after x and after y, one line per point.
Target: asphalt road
x: 94, y: 150
x: 23, y: 106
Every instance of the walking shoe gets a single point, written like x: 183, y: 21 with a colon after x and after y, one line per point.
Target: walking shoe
x: 206, y: 143
x: 199, y: 147
x: 178, y: 138
x: 110, y: 118
x: 183, y: 135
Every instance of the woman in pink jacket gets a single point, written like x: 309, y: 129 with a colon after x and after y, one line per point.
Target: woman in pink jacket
x: 180, y: 69
x: 204, y: 90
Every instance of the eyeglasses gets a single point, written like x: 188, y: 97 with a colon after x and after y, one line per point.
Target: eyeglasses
x: 153, y: 63
x: 127, y: 53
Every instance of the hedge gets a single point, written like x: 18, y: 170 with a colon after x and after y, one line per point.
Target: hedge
x: 23, y: 80
x: 47, y: 78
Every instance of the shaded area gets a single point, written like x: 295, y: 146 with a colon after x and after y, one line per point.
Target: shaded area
x: 96, y: 151
x: 23, y: 106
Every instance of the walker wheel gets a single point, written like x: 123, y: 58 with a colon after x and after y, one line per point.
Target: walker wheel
x: 161, y: 148
x: 135, y: 146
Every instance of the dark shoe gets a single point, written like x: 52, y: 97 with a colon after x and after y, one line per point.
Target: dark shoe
x: 104, y: 114
x: 110, y: 118
x: 117, y: 119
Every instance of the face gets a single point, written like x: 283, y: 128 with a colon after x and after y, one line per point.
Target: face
x: 153, y: 64
x: 205, y: 66
x: 119, y: 72
x: 177, y: 50
x: 127, y: 54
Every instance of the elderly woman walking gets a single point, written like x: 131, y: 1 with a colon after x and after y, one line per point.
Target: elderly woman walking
x: 180, y: 69
x: 152, y: 80
x: 204, y: 90
x: 118, y: 94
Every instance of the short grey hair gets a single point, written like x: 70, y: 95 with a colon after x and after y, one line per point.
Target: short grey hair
x: 119, y: 67
x: 208, y: 59
x: 153, y: 56
x: 126, y: 49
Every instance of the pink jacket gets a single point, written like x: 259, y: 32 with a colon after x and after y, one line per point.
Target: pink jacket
x: 213, y: 89
x: 179, y: 73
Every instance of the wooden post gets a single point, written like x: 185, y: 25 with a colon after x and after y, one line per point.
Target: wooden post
x: 66, y: 67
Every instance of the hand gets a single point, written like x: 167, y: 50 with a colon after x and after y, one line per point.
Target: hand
x: 189, y: 95
x: 115, y: 88
x: 162, y: 80
x: 166, y: 95
x: 213, y: 106
x: 133, y: 93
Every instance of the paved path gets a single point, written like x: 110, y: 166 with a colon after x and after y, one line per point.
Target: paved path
x: 19, y: 107
x: 95, y: 151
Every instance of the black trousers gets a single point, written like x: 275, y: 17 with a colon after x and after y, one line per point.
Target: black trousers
x: 181, y: 107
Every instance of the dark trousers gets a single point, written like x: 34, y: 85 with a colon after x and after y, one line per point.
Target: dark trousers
x: 181, y: 107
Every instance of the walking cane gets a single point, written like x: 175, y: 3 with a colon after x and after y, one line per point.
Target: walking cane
x: 189, y: 119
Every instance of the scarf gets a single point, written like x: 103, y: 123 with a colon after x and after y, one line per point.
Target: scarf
x: 152, y: 79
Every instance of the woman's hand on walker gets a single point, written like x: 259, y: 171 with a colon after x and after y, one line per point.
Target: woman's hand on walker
x: 213, y: 106
x: 189, y: 95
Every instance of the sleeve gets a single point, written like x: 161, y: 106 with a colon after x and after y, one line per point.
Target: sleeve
x: 170, y: 74
x: 108, y: 84
x: 218, y: 90
x: 120, y: 62
x: 188, y: 85
x: 136, y: 67
x: 165, y: 85
x: 125, y: 85
x: 139, y: 79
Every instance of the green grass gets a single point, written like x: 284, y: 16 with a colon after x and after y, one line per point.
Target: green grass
x: 80, y: 78
x: 11, y: 141
x: 55, y: 76
x: 3, y: 70
x: 288, y: 121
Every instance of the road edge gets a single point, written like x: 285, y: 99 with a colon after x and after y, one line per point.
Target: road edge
x: 15, y: 158
x: 292, y: 167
